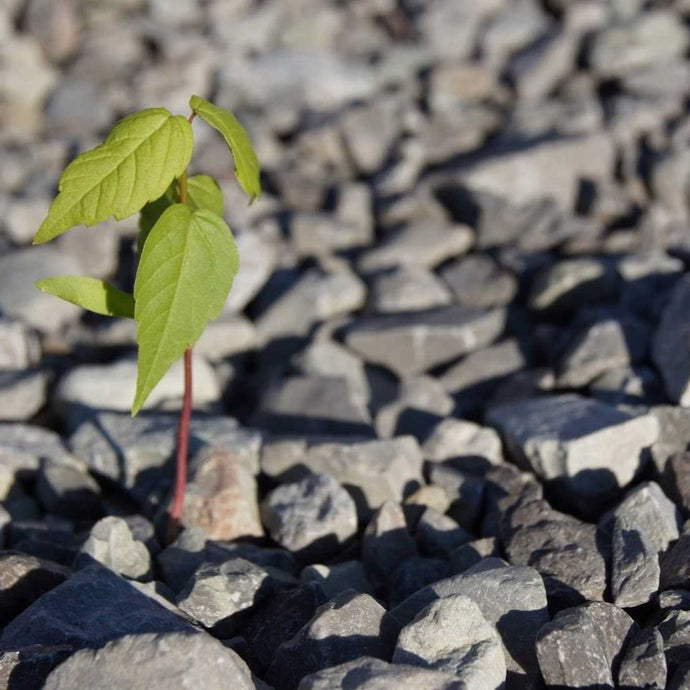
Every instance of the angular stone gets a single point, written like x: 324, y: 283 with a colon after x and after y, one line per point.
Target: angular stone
x: 643, y: 664
x: 414, y: 574
x: 583, y: 646
x: 89, y: 609
x: 23, y: 446
x: 675, y: 629
x: 22, y: 394
x: 586, y: 450
x: 227, y: 336
x: 367, y: 673
x: 668, y: 351
x: 675, y: 565
x: 28, y: 667
x: 221, y: 595
x: 453, y: 83
x: 335, y: 579
x: 67, y: 490
x: 317, y: 234
x: 111, y: 543
x: 23, y: 579
x: 313, y: 518
x: 348, y: 627
x: 408, y: 288
x: 473, y: 652
x: 221, y: 495
x: 454, y: 438
x: 136, y: 452
x: 510, y: 598
x: 19, y: 346
x: 151, y: 661
x: 438, y: 534
x: 418, y: 245
x: 415, y: 343
x: 464, y: 557
x: 676, y: 481
x: 644, y: 524
x: 478, y: 281
x: 674, y: 430
x: 464, y: 489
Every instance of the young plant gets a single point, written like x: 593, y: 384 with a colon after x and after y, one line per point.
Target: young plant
x: 187, y: 254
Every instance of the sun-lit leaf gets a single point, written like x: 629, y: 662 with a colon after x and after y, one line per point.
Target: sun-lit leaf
x: 136, y: 164
x: 90, y: 293
x: 246, y: 162
x: 186, y: 271
x: 202, y: 192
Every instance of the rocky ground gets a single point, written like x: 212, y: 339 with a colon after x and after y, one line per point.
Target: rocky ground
x: 441, y: 427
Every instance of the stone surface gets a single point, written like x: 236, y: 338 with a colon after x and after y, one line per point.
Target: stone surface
x: 415, y: 343
x: 22, y: 394
x: 408, y: 288
x: 335, y: 579
x: 67, y: 490
x: 454, y: 438
x: 676, y: 481
x: 643, y: 663
x: 585, y: 449
x: 350, y: 626
x: 477, y: 281
x: 313, y: 518
x: 19, y: 346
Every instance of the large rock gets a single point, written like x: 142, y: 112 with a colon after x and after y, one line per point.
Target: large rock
x: 471, y: 651
x: 414, y: 343
x: 350, y: 626
x: 644, y: 662
x: 585, y: 449
x: 22, y: 394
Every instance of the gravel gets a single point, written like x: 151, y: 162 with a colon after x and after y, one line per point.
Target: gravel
x: 449, y: 385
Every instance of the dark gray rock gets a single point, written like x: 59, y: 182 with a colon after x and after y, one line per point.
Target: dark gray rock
x: 67, y: 490
x: 367, y: 673
x: 675, y: 629
x: 89, y: 609
x: 111, y: 543
x: 473, y: 652
x: 414, y: 343
x: 350, y: 626
x: 674, y: 431
x: 414, y: 574
x: 570, y: 283
x: 510, y: 598
x: 675, y: 565
x: 279, y: 619
x: 386, y: 542
x: 477, y: 281
x: 155, y: 661
x: 584, y: 449
x: 668, y: 352
x: 464, y: 489
x: 681, y: 678
x: 23, y: 447
x: 221, y: 595
x: 51, y: 539
x: 630, y: 386
x: 643, y: 664
x: 676, y: 481
x: 335, y: 579
x: 408, y: 288
x: 28, y: 667
x: 438, y: 534
x: 583, y: 646
x: 23, y: 579
x: 325, y: 405
x: 644, y: 524
x: 313, y: 518
x: 464, y: 557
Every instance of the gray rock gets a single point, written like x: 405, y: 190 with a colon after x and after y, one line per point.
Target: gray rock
x: 651, y: 37
x: 510, y: 598
x: 227, y: 336
x: 348, y: 627
x: 67, y: 490
x: 28, y: 667
x: 221, y: 495
x: 89, y: 609
x: 631, y: 386
x: 77, y: 107
x: 643, y: 664
x: 464, y: 489
x: 313, y: 518
x: 644, y: 524
x: 314, y: 405
x: 674, y: 426
x: 19, y: 346
x: 438, y: 534
x: 562, y: 439
x: 563, y: 549
x: 20, y: 299
x: 668, y: 353
x: 153, y: 661
x: 473, y: 652
x: 317, y: 234
x: 221, y: 595
x: 24, y: 579
x: 477, y: 281
x: 23, y: 446
x: 386, y: 542
x: 457, y: 438
x: 464, y: 557
x: 335, y: 579
x: 414, y: 574
x: 455, y: 83
x: 675, y: 565
x: 512, y: 29
x: 408, y: 288
x: 367, y: 673
x: 676, y: 481
x: 414, y: 244
x: 111, y: 543
x: 135, y: 452
x: 570, y: 283
x: 279, y: 619
x: 675, y: 629
x: 57, y: 29
x: 681, y: 678
x: 22, y: 394
x: 583, y: 646
x: 599, y: 348
x: 415, y: 343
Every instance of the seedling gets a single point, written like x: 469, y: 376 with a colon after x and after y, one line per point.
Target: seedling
x: 187, y: 254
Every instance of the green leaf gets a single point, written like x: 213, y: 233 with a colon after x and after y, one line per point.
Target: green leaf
x: 137, y: 162
x: 89, y: 293
x: 186, y: 271
x: 246, y: 162
x: 202, y: 192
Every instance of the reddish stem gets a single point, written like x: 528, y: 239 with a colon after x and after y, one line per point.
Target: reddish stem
x: 182, y: 449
